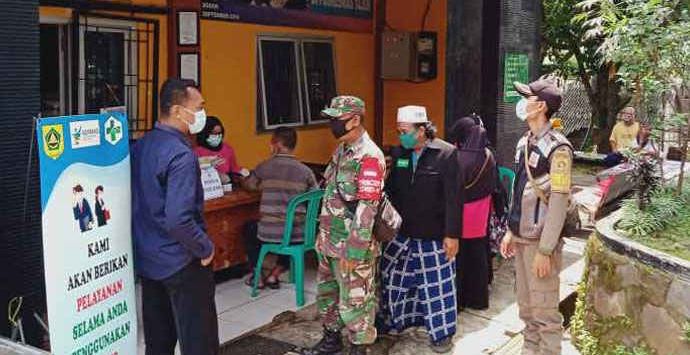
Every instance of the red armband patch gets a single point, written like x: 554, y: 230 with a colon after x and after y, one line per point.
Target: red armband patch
x: 369, y: 180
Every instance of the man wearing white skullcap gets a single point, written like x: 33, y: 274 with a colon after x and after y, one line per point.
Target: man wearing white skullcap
x: 424, y: 186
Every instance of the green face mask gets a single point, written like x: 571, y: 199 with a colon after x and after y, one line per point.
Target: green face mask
x: 409, y: 140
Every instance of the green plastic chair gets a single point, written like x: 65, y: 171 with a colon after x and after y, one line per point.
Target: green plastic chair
x: 294, y: 251
x: 507, y: 178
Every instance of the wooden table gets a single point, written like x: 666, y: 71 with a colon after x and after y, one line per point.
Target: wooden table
x: 225, y: 218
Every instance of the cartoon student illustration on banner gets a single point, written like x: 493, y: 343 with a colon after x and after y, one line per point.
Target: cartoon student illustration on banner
x: 82, y: 209
x: 102, y: 212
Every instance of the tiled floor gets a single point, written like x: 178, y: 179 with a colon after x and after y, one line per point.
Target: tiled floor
x: 239, y: 313
x: 480, y: 332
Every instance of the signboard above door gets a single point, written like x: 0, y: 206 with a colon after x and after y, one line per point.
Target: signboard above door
x: 341, y: 15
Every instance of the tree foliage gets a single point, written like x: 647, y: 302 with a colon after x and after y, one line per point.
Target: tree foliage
x: 571, y: 50
x: 649, y: 42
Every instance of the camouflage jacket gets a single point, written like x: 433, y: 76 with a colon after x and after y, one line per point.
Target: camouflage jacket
x: 349, y: 209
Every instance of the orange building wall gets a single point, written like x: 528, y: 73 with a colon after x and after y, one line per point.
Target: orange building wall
x: 431, y: 94
x: 229, y: 85
x: 66, y: 13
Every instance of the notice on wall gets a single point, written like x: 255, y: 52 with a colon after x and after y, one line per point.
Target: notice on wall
x: 87, y: 241
x: 343, y: 15
x: 516, y: 68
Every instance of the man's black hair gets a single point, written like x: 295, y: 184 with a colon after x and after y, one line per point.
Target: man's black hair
x: 174, y: 92
x: 287, y: 136
x: 429, y: 129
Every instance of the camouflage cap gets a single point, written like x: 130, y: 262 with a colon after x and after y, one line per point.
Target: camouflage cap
x: 342, y: 105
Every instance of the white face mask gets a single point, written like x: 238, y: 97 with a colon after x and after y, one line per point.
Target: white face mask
x: 521, y: 109
x: 199, y: 121
x: 214, y: 140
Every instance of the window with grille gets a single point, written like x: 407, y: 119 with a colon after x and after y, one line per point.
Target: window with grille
x: 117, y: 68
x: 296, y: 80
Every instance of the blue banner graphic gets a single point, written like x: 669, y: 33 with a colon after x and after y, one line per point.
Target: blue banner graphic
x: 87, y: 242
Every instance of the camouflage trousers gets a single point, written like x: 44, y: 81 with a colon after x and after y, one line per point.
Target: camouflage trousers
x: 347, y: 297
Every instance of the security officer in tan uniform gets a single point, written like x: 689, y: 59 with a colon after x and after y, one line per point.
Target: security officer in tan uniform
x: 541, y: 197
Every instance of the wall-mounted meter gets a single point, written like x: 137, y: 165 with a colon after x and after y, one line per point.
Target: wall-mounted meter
x: 409, y: 56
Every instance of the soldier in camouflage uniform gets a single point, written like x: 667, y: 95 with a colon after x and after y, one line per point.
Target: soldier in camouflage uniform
x: 347, y: 251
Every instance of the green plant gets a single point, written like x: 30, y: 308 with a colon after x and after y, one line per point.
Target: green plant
x: 587, y: 328
x: 645, y: 176
x: 649, y: 42
x: 569, y: 52
x: 661, y: 210
x: 638, y: 350
x: 663, y: 225
x: 686, y: 331
x: 588, y: 341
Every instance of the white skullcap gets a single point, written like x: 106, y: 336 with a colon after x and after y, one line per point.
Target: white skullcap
x: 412, y: 114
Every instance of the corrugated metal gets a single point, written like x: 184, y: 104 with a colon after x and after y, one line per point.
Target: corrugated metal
x: 20, y: 245
x: 575, y: 110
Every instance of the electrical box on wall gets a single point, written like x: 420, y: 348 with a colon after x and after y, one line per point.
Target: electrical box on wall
x: 409, y: 56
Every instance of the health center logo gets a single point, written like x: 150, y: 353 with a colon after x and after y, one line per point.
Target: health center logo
x: 113, y: 130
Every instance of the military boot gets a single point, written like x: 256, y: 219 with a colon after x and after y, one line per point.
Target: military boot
x: 330, y: 344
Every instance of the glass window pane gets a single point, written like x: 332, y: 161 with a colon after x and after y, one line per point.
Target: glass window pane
x: 104, y: 53
x: 50, y: 71
x: 320, y: 75
x: 281, y: 87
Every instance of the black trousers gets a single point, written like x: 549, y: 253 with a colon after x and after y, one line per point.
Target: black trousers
x: 473, y: 273
x: 181, y: 307
x: 252, y: 245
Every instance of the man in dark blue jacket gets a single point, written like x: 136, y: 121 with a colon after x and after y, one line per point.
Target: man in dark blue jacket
x: 173, y: 251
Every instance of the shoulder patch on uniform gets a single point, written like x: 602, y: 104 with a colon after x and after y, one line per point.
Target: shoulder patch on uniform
x: 561, y: 164
x: 369, y: 180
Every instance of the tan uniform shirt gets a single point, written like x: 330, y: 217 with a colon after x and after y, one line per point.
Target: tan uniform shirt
x: 540, y: 205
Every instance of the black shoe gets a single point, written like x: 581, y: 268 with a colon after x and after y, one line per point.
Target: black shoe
x: 443, y: 346
x: 357, y: 350
x: 330, y: 344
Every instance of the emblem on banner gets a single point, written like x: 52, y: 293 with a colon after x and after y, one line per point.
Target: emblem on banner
x: 85, y: 134
x: 113, y: 130
x: 53, y: 141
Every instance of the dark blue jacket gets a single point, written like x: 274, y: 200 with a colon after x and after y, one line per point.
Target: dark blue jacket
x: 167, y: 204
x: 83, y: 215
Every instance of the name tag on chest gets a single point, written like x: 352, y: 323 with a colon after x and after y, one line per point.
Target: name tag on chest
x: 402, y: 163
x: 533, y: 160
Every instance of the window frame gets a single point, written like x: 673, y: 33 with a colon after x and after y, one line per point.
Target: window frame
x: 327, y: 40
x: 127, y: 29
x: 305, y: 120
x: 264, y: 101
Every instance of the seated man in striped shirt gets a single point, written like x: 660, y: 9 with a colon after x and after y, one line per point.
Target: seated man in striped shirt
x: 280, y: 178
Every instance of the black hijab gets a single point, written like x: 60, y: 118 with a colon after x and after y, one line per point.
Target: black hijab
x: 469, y: 135
x: 201, y: 137
x: 471, y: 139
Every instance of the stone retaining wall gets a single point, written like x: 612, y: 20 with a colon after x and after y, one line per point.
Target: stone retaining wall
x: 633, y: 298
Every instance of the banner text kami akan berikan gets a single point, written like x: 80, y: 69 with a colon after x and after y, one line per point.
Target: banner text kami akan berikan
x: 98, y: 271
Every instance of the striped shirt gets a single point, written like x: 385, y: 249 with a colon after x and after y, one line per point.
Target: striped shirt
x: 281, y: 178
